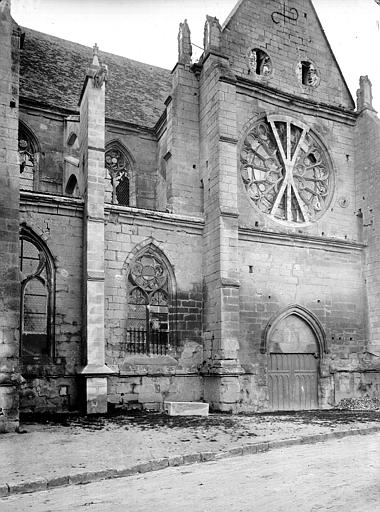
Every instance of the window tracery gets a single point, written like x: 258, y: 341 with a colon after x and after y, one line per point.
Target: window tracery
x: 119, y: 172
x: 28, y: 158
x: 37, y: 298
x: 149, y: 304
x: 285, y: 170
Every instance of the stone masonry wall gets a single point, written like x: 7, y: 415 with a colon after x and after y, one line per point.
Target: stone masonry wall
x: 142, y: 147
x: 144, y: 378
x: 287, y: 42
x: 48, y: 129
x: 317, y: 266
x: 9, y: 221
x: 367, y: 163
x: 339, y: 221
x: 58, y: 221
x: 326, y: 280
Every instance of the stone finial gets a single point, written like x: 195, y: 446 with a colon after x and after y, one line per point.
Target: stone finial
x: 184, y: 44
x: 95, y: 55
x: 212, y: 33
x: 5, y: 4
x: 364, y: 94
x: 98, y: 72
x: 5, y: 8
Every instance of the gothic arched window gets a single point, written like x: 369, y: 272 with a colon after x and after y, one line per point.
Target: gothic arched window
x: 28, y: 151
x: 151, y: 310
x: 119, y: 178
x: 37, y: 297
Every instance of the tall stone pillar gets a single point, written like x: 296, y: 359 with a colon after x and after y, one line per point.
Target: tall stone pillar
x: 92, y: 144
x: 367, y: 163
x: 182, y: 110
x: 9, y: 220
x: 219, y: 166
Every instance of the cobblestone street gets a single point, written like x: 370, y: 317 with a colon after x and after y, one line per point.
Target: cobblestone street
x: 339, y: 476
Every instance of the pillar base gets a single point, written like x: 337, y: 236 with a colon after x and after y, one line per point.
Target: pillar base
x: 222, y: 384
x: 96, y: 388
x: 9, y: 413
x: 96, y: 394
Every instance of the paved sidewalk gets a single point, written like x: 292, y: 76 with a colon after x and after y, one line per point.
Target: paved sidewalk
x: 85, y: 450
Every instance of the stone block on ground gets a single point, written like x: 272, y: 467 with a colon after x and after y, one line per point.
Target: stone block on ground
x: 186, y: 408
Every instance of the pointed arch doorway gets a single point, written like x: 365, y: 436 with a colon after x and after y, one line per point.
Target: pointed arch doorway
x: 294, y: 343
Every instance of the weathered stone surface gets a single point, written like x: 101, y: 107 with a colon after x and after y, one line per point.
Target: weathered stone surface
x: 9, y: 218
x: 234, y: 268
x: 186, y: 408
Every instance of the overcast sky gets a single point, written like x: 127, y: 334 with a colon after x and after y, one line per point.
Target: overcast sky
x: 146, y: 30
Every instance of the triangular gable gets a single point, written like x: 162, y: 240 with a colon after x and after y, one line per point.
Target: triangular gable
x: 290, y: 33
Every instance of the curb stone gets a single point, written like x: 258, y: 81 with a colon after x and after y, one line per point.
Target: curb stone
x: 44, y: 484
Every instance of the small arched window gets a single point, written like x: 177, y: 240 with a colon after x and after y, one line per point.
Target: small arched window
x: 37, y: 297
x: 119, y: 179
x: 72, y: 186
x: 28, y: 151
x: 151, y: 304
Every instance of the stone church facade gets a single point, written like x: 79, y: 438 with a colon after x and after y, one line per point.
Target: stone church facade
x: 205, y: 234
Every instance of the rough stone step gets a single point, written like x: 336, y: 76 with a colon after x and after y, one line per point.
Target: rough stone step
x: 186, y: 408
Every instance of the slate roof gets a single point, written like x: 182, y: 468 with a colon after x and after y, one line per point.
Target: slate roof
x: 52, y: 71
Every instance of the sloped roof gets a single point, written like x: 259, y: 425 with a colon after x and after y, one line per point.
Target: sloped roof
x: 52, y: 71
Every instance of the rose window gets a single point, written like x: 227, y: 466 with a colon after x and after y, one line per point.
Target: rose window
x: 285, y: 170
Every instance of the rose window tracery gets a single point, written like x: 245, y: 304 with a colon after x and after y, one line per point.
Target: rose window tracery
x: 285, y: 170
x: 149, y: 305
x: 119, y: 168
x: 148, y: 273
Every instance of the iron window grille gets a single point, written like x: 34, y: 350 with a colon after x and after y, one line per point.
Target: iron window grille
x: 151, y: 315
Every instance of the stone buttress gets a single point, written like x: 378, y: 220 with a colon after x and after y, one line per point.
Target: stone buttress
x: 219, y: 168
x: 9, y: 221
x: 92, y: 142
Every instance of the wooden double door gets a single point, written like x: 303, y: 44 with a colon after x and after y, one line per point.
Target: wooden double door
x: 292, y: 381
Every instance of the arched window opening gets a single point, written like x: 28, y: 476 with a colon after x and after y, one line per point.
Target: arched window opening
x: 307, y: 73
x: 119, y: 175
x: 37, y: 298
x: 259, y: 62
x: 28, y: 157
x: 151, y: 311
x: 72, y: 186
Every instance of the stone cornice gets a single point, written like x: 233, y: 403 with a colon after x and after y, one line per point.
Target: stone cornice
x: 124, y: 126
x: 304, y: 105
x: 229, y: 140
x: 50, y: 201
x: 27, y: 104
x: 297, y: 240
x: 128, y: 215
